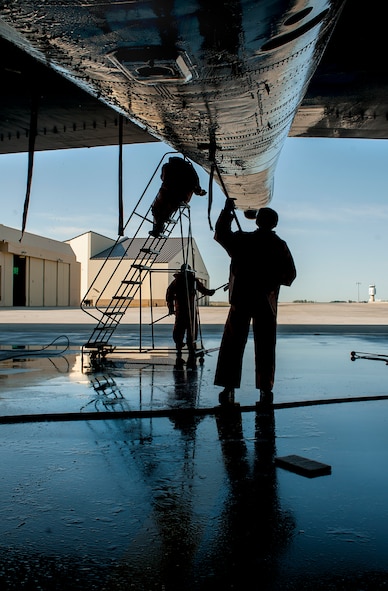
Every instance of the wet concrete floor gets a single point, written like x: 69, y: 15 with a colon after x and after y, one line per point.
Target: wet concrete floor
x: 128, y: 476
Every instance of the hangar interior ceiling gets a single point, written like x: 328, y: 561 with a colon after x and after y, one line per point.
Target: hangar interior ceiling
x: 68, y: 117
x: 347, y: 97
x: 348, y: 94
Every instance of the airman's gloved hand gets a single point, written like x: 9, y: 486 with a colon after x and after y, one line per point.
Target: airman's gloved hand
x: 229, y: 205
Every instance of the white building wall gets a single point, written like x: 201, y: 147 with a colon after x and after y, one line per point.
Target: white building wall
x: 108, y: 277
x: 100, y: 280
x: 85, y: 246
x: 52, y: 274
x: 111, y: 275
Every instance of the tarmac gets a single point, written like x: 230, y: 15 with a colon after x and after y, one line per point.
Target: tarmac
x: 129, y: 475
x: 341, y: 313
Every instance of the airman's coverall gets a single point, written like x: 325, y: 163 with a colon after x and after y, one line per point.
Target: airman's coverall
x: 260, y: 263
x: 181, y: 301
x: 179, y: 182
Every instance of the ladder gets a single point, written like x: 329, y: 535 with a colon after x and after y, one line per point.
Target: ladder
x: 109, y: 309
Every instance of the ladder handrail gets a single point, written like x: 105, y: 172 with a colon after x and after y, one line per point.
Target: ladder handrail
x: 121, y: 239
x: 109, y: 316
x: 113, y: 314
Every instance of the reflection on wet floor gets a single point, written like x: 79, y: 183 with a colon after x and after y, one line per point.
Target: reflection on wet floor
x: 193, y: 500
x: 35, y: 379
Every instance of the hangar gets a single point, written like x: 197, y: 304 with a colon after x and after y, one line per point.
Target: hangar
x: 44, y: 272
x: 37, y: 271
x: 110, y: 260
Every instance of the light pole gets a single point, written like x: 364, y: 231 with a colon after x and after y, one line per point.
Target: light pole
x: 358, y: 283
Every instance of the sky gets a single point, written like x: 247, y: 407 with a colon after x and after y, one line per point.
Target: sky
x: 331, y: 196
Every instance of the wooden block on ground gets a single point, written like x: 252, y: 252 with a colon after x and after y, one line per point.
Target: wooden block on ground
x: 303, y: 466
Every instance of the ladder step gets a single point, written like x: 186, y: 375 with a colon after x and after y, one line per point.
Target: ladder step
x: 150, y: 251
x: 96, y: 344
x: 102, y: 387
x: 142, y: 267
x: 159, y: 237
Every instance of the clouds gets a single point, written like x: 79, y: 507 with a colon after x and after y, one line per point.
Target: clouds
x: 316, y: 214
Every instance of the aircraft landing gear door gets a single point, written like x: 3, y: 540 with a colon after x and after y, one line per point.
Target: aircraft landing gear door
x: 19, y: 280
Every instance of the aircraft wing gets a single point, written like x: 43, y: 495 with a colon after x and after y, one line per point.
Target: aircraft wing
x: 223, y: 83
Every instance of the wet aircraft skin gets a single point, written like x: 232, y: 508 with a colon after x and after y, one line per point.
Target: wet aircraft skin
x: 219, y: 82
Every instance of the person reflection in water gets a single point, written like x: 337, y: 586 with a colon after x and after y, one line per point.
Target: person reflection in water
x: 255, y: 525
x: 260, y: 263
x: 184, y: 401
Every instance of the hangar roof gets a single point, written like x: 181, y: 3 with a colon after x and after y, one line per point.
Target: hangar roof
x: 170, y: 249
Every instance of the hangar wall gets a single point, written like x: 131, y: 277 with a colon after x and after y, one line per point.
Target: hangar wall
x: 37, y: 271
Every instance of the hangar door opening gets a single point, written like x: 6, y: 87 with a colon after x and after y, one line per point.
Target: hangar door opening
x: 19, y: 280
